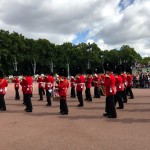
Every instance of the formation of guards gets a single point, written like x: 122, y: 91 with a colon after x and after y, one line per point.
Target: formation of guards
x: 115, y: 84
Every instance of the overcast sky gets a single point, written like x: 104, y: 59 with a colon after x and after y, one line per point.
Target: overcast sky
x: 108, y: 23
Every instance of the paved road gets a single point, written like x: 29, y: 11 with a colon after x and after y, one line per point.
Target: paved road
x: 83, y: 129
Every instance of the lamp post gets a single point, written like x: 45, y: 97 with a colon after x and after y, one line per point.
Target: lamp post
x: 15, y: 64
x: 88, y: 50
x: 52, y: 66
x: 68, y: 68
x: 0, y: 50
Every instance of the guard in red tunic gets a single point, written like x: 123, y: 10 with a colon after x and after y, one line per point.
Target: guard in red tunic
x: 16, y: 82
x: 96, y: 81
x: 119, y: 88
x: 80, y: 81
x: 124, y: 77
x: 72, y: 85
x: 40, y: 81
x: 109, y: 83
x: 62, y: 86
x: 88, y: 85
x: 3, y: 85
x: 129, y: 82
x: 27, y: 83
x: 49, y: 83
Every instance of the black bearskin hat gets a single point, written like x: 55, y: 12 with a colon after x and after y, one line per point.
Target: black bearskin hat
x: 117, y: 70
x: 79, y: 70
x: 15, y: 73
x: 89, y: 71
x: 108, y: 66
x: 128, y: 69
x: 1, y: 74
x: 122, y: 68
x: 63, y: 72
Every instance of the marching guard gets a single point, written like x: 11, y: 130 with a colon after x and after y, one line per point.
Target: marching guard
x: 72, y: 85
x: 16, y: 82
x: 27, y: 83
x: 62, y: 86
x: 88, y: 85
x: 49, y: 83
x: 80, y: 81
x: 3, y: 85
x: 119, y: 88
x: 40, y: 82
x: 96, y: 81
x: 109, y: 83
x: 129, y: 82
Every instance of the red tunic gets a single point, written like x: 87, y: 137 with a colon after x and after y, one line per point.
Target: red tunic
x: 89, y: 81
x: 109, y: 83
x: 62, y: 87
x: 124, y: 77
x: 16, y: 82
x: 72, y: 82
x: 27, y: 85
x: 3, y: 85
x: 49, y: 82
x: 40, y: 81
x: 96, y: 80
x: 129, y: 80
x: 80, y: 81
x: 119, y: 83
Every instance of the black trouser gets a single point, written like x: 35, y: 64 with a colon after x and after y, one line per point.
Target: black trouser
x: 110, y: 106
x: 17, y: 96
x: 118, y: 98
x: 41, y: 93
x: 63, y: 105
x: 129, y: 90
x: 2, y: 102
x: 28, y: 103
x: 23, y: 98
x: 80, y: 97
x: 88, y: 94
x: 73, y: 93
x: 48, y: 96
x: 124, y: 96
x: 96, y: 92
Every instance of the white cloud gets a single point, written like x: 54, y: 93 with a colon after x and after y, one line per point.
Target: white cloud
x: 60, y: 20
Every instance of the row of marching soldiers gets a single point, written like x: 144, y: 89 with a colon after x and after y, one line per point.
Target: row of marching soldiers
x: 115, y: 84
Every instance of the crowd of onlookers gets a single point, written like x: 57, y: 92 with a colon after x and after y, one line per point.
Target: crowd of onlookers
x: 141, y: 79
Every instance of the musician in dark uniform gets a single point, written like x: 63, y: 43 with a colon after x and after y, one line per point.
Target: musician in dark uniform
x: 63, y: 86
x: 3, y: 85
x: 80, y: 81
x: 109, y: 83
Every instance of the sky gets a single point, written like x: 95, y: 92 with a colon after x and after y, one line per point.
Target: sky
x: 108, y: 23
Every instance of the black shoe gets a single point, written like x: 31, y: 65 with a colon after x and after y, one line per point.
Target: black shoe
x: 105, y: 114
x: 109, y: 116
x: 119, y: 107
x: 40, y: 99
x: 64, y: 113
x: 28, y: 110
x: 3, y: 109
x: 89, y: 100
x: 48, y: 104
x: 131, y: 98
x: 79, y: 105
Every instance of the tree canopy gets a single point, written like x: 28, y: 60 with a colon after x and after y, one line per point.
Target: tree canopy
x: 17, y: 50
